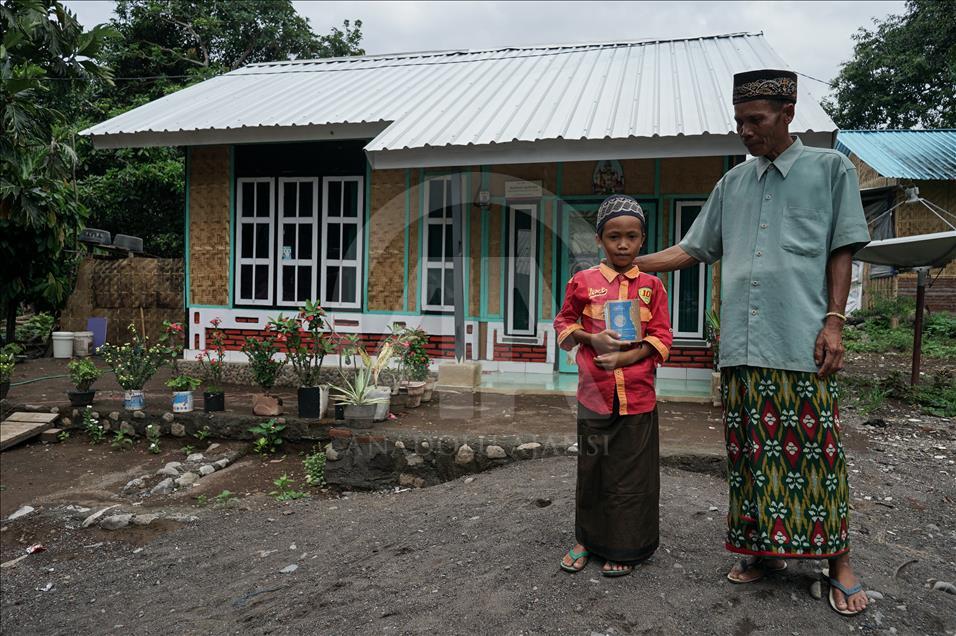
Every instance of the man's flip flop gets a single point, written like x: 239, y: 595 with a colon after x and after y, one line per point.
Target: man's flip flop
x: 574, y: 559
x: 847, y: 593
x: 614, y: 573
x: 756, y: 562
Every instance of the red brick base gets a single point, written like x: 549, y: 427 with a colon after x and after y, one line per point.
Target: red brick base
x: 693, y: 358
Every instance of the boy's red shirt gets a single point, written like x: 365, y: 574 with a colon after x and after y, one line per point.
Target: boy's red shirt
x: 584, y: 309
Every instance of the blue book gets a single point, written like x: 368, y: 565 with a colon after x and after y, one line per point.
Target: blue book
x: 624, y: 317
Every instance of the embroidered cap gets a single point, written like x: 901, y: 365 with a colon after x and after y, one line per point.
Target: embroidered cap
x: 619, y: 205
x: 765, y: 84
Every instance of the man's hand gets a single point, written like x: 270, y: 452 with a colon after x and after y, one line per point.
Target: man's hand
x: 613, y: 360
x: 829, y: 350
x: 606, y: 342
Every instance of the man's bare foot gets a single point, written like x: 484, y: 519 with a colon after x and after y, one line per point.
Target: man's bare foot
x: 614, y: 568
x: 576, y: 564
x: 754, y: 569
x: 842, y: 571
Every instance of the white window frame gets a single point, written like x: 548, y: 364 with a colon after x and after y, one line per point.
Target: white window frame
x: 532, y: 210
x: 241, y: 260
x: 281, y: 222
x: 359, y: 222
x: 701, y: 292
x: 427, y: 264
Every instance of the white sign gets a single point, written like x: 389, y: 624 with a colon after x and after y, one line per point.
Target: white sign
x: 522, y: 189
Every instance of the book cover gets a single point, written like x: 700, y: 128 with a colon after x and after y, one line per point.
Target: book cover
x: 624, y: 317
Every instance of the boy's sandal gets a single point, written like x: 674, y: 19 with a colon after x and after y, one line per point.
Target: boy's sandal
x: 574, y: 559
x: 847, y: 593
x: 757, y: 562
x: 614, y: 573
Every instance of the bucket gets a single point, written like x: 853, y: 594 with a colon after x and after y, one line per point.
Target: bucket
x: 182, y: 401
x: 82, y: 344
x: 62, y: 344
x: 134, y: 400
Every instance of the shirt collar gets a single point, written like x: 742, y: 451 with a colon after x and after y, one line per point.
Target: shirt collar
x: 610, y: 273
x: 784, y: 162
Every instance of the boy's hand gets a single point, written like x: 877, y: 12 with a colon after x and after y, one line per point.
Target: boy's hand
x: 613, y: 360
x: 606, y: 342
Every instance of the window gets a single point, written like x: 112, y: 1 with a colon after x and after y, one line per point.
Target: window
x: 254, y: 263
x: 690, y: 283
x: 298, y: 236
x: 522, y: 271
x: 438, y: 266
x: 342, y: 214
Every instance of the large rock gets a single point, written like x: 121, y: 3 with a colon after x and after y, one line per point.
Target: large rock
x: 177, y: 430
x: 206, y: 469
x: 222, y: 463
x: 459, y: 374
x: 164, y: 487
x: 144, y: 520
x: 495, y: 452
x: 126, y: 428
x: 188, y: 479
x: 168, y: 417
x: 135, y: 484
x: 195, y: 457
x: 22, y: 512
x: 167, y: 471
x: 465, y: 455
x: 115, y: 522
x: 414, y: 460
x: 527, y: 451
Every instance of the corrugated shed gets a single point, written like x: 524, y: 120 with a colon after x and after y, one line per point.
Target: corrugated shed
x: 660, y: 88
x: 903, y: 154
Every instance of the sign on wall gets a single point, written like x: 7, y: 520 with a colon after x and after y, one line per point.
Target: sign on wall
x: 522, y: 189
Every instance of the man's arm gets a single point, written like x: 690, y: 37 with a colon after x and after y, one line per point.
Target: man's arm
x: 668, y: 260
x: 829, y: 350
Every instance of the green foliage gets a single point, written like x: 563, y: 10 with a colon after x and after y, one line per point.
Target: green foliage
x: 269, y: 436
x: 285, y: 490
x: 201, y: 500
x: 83, y: 373
x: 225, y: 497
x: 357, y: 390
x: 211, y: 358
x: 306, y: 341
x: 935, y: 395
x: 877, y: 335
x: 183, y: 382
x: 410, y: 347
x: 152, y: 437
x: 314, y: 464
x: 37, y: 328
x: 94, y: 430
x: 63, y: 436
x: 902, y: 72
x: 203, y: 433
x: 6, y: 366
x: 187, y: 449
x: 135, y: 362
x: 121, y: 441
x: 265, y: 366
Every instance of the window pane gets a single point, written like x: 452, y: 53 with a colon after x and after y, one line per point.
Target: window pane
x: 262, y: 240
x: 332, y: 284
x: 305, y: 199
x: 288, y: 241
x: 351, y: 199
x: 247, y: 230
x: 348, y: 285
x: 333, y: 241
x: 245, y: 281
x: 288, y: 282
x: 448, y: 199
x: 434, y: 242
x: 305, y: 283
x: 248, y: 198
x: 288, y: 201
x: 688, y: 303
x: 436, y: 200
x: 350, y: 240
x: 305, y: 242
x: 335, y: 198
x: 433, y: 285
x: 449, y: 244
x: 449, y: 297
x: 262, y: 282
x: 262, y: 199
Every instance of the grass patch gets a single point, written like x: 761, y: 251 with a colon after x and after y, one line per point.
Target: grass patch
x: 877, y: 333
x: 934, y: 396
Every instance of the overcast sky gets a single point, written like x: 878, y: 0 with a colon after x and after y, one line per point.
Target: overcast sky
x: 813, y: 37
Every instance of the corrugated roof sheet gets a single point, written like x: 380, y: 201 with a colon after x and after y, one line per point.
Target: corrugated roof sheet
x: 903, y: 154
x: 656, y: 88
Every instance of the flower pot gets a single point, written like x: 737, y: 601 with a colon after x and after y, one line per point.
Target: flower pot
x: 414, y: 393
x: 339, y: 412
x: 429, y: 388
x: 313, y: 401
x: 381, y: 408
x: 182, y: 401
x: 360, y: 415
x: 134, y: 400
x: 4, y: 388
x: 214, y: 401
x: 265, y: 404
x: 80, y: 398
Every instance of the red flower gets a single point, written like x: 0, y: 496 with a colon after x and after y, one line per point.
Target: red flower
x: 215, y: 322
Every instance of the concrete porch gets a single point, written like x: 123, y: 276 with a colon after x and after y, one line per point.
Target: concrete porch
x: 673, y: 384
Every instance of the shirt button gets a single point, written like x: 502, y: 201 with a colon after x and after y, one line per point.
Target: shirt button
x: 759, y: 253
x: 768, y: 197
x: 754, y: 283
x: 763, y: 226
x: 753, y: 312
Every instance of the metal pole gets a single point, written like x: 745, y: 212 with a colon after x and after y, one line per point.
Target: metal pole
x: 918, y: 324
x: 458, y: 273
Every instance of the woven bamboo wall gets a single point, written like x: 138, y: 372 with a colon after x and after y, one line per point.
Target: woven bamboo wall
x: 690, y: 175
x: 869, y: 178
x: 414, y: 271
x: 546, y: 173
x: 474, y: 261
x: 209, y: 225
x: 547, y: 271
x: 386, y: 241
x: 494, y: 259
x: 578, y: 177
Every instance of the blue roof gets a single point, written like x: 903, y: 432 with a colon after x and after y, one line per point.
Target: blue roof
x: 903, y: 154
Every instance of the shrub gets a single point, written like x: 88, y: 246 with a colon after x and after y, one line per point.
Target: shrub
x: 83, y: 373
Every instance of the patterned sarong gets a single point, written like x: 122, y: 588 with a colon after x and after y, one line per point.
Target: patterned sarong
x: 785, y: 464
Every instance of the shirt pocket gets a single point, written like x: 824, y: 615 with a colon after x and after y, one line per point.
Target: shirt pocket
x: 595, y: 311
x: 803, y: 231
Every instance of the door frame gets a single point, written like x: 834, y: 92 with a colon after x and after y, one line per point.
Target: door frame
x: 531, y: 208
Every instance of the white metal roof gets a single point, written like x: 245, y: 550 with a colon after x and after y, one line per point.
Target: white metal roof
x: 437, y: 108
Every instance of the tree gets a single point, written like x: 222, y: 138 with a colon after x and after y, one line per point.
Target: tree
x: 902, y: 73
x: 44, y: 49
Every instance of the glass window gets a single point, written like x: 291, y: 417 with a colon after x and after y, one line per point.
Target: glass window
x: 343, y: 212
x: 298, y: 230
x: 437, y: 291
x: 522, y: 271
x: 254, y: 243
x: 690, y: 284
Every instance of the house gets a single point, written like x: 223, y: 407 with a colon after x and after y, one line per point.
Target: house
x: 890, y: 164
x: 371, y: 182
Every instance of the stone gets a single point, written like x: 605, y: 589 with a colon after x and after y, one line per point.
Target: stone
x: 116, y: 522
x: 816, y: 590
x: 114, y: 415
x: 222, y: 463
x: 174, y: 465
x: 166, y: 471
x: 468, y: 480
x: 139, y: 415
x: 212, y: 447
x: 465, y: 455
x: 527, y: 451
x: 289, y: 569
x: 407, y: 480
x: 177, y: 430
x: 572, y: 449
x: 459, y: 374
x: 66, y: 422
x: 331, y: 454
x: 206, y: 469
x: 93, y: 518
x: 164, y: 487
x: 944, y: 586
x: 50, y: 435
x: 22, y: 512
x: 168, y: 417
x: 127, y: 428
x: 134, y: 484
x: 873, y: 595
x: 95, y: 415
x: 55, y: 410
x: 188, y: 479
x: 144, y: 520
x: 400, y: 444
x: 195, y: 457
x: 425, y: 445
x: 415, y: 460
x: 495, y: 452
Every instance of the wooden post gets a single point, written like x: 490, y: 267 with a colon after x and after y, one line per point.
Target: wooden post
x: 918, y: 323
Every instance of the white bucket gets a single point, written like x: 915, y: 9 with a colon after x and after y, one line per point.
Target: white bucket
x: 62, y: 344
x: 82, y: 344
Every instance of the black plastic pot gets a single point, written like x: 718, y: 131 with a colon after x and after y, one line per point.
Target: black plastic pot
x: 339, y: 412
x: 81, y: 398
x: 310, y: 402
x: 213, y: 402
x: 4, y: 388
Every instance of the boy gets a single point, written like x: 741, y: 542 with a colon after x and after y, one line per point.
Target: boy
x: 618, y: 481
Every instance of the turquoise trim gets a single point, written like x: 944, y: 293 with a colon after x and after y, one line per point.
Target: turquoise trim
x: 503, y: 247
x: 466, y: 244
x: 365, y: 227
x: 214, y: 307
x: 422, y: 216
x: 672, y: 232
x: 556, y: 281
x: 408, y: 211
x: 383, y: 312
x: 186, y: 291
x: 232, y: 224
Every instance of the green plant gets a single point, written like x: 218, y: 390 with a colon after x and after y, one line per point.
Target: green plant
x: 63, y: 436
x: 135, y: 362
x: 183, y: 383
x: 201, y: 500
x: 269, y: 436
x: 94, y: 430
x: 37, y: 327
x: 713, y: 334
x: 121, y: 441
x: 211, y: 358
x: 357, y: 390
x: 152, y: 436
x: 7, y: 363
x: 187, y: 449
x: 314, y: 464
x: 285, y: 491
x: 83, y: 373
x: 203, y: 433
x: 410, y: 347
x: 225, y: 497
x: 261, y: 353
x: 306, y: 341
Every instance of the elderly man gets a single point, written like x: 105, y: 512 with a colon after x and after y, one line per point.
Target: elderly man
x: 784, y: 225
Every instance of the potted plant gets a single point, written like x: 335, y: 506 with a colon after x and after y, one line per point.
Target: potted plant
x: 713, y: 335
x: 183, y: 386
x: 413, y: 365
x: 356, y: 395
x: 379, y: 390
x: 346, y: 347
x: 135, y: 362
x: 83, y: 373
x: 210, y: 362
x: 6, y: 371
x: 307, y: 344
x: 265, y: 369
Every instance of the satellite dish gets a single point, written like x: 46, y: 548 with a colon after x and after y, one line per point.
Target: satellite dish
x: 922, y: 250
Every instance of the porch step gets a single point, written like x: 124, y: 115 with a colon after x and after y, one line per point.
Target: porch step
x: 22, y: 426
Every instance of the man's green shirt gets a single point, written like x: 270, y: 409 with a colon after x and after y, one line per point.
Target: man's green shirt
x: 773, y: 226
